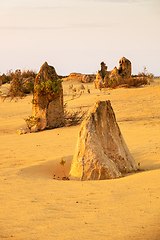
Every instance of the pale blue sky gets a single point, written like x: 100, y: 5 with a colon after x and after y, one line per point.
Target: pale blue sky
x: 76, y: 35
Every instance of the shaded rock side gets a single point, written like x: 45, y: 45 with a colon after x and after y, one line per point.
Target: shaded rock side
x: 48, y: 107
x: 101, y: 152
x: 125, y: 68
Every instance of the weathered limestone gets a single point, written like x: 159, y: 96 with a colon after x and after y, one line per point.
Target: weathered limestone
x: 124, y: 68
x: 114, y: 74
x: 101, y: 152
x: 48, y: 99
x: 103, y: 70
x: 85, y: 79
x: 104, y: 77
x: 78, y: 77
x: 99, y: 81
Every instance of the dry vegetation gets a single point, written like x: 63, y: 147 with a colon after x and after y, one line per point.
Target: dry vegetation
x: 21, y: 82
x: 74, y: 117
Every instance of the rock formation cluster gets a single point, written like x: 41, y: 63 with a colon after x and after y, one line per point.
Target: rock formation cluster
x: 104, y: 77
x: 48, y: 99
x: 101, y: 152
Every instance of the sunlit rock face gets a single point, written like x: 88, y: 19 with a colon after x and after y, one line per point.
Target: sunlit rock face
x: 48, y: 99
x: 101, y: 152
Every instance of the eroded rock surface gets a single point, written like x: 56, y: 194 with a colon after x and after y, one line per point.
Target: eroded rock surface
x: 101, y: 77
x: 101, y: 152
x: 104, y: 78
x: 78, y: 77
x: 98, y: 82
x: 48, y: 99
x: 124, y: 68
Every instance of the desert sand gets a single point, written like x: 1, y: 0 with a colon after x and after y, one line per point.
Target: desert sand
x: 35, y: 205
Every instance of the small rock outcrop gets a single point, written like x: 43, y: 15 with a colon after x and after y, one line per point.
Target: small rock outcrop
x: 48, y: 99
x: 101, y: 152
x: 78, y: 77
x: 21, y: 131
x: 85, y: 79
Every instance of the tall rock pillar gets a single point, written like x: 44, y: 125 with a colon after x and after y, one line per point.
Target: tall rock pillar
x: 48, y: 99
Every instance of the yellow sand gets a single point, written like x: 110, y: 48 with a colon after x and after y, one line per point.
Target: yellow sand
x: 34, y: 206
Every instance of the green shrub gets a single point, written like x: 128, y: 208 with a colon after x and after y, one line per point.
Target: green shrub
x: 48, y: 88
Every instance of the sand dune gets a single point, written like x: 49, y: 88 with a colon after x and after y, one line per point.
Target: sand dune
x: 35, y: 205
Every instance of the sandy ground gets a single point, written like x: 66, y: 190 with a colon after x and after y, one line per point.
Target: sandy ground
x: 35, y: 206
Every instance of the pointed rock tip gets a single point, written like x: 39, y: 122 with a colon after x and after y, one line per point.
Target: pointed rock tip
x: 98, y: 103
x: 45, y: 64
x: 125, y: 59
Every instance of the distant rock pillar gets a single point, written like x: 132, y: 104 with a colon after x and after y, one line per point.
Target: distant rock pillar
x: 101, y: 152
x: 98, y: 82
x: 125, y: 68
x: 101, y: 77
x: 103, y: 71
x: 48, y: 99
